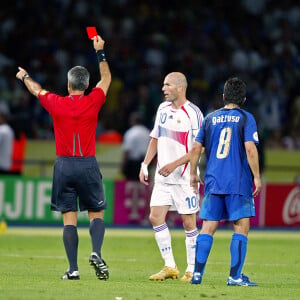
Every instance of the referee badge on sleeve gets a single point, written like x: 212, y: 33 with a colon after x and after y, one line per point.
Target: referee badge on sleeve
x: 43, y: 92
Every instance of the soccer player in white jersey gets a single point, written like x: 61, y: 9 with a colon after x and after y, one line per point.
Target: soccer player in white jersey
x: 176, y: 126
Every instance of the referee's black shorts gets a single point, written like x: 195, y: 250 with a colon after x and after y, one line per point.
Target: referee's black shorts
x: 77, y: 178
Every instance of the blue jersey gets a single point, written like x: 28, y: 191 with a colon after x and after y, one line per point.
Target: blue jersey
x: 223, y: 134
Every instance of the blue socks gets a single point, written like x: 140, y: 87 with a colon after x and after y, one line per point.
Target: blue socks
x: 238, y: 250
x: 70, y: 239
x: 203, y: 246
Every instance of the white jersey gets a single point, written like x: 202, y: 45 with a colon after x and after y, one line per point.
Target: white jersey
x: 135, y: 141
x: 175, y: 131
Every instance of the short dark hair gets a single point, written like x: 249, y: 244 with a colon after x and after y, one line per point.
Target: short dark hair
x: 234, y: 91
x: 79, y: 78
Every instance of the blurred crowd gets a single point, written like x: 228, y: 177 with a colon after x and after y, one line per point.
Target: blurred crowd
x: 207, y: 40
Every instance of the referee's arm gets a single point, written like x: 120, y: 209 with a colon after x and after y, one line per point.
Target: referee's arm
x: 33, y: 87
x: 105, y: 75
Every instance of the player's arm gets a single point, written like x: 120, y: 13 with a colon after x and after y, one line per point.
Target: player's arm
x: 194, y: 159
x: 170, y: 167
x: 167, y: 169
x: 33, y: 87
x: 105, y: 75
x: 252, y: 156
x: 151, y: 152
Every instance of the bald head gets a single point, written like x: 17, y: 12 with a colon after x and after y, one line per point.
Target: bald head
x: 178, y: 79
x: 174, y: 88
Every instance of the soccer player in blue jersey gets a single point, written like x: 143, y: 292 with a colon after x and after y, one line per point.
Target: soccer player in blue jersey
x: 229, y: 136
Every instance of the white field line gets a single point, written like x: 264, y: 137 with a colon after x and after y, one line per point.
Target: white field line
x: 140, y: 232
x: 135, y: 260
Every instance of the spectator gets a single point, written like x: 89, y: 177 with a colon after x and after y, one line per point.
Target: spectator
x: 257, y: 37
x: 6, y: 140
x: 135, y: 143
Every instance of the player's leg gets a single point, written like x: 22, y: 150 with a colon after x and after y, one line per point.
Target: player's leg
x: 191, y: 233
x: 164, y: 243
x: 204, y: 244
x: 187, y: 205
x: 212, y: 210
x: 239, y: 209
x: 162, y: 234
x: 238, y: 246
x: 159, y: 206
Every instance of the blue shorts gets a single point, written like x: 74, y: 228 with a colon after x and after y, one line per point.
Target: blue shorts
x: 227, y: 207
x: 77, y: 178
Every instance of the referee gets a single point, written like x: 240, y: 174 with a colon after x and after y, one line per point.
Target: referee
x: 76, y: 173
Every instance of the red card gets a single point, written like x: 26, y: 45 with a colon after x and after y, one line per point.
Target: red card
x: 91, y: 31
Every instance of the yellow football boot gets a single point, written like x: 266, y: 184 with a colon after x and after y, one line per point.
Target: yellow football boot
x: 165, y: 273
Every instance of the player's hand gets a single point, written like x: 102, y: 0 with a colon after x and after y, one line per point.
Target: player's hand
x: 167, y: 169
x: 258, y: 186
x: 144, y: 174
x: 98, y: 43
x: 194, y: 183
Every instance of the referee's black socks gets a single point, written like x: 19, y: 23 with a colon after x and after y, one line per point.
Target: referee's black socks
x: 97, y: 230
x: 70, y: 238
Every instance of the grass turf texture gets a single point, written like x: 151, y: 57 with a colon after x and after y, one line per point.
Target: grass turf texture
x: 33, y: 259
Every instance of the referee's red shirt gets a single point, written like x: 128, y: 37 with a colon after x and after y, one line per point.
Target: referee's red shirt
x: 74, y: 120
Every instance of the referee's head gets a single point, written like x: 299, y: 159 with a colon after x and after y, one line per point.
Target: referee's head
x: 78, y: 78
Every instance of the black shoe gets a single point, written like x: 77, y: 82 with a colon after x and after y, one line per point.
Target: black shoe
x: 71, y: 276
x: 99, y: 266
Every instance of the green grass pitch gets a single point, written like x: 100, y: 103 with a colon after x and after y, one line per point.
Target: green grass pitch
x: 33, y: 259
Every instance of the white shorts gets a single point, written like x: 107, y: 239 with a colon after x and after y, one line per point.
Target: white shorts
x: 180, y: 197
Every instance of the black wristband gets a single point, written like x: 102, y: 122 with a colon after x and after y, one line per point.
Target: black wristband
x: 25, y: 76
x: 101, y: 55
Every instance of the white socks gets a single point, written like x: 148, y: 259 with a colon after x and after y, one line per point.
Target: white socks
x: 190, y: 243
x: 163, y: 239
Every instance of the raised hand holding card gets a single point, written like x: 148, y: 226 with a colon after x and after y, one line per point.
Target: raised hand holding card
x: 91, y: 32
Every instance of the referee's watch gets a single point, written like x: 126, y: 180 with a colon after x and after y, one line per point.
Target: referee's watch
x: 25, y: 76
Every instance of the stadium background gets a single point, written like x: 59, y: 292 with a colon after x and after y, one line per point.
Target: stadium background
x: 209, y: 41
